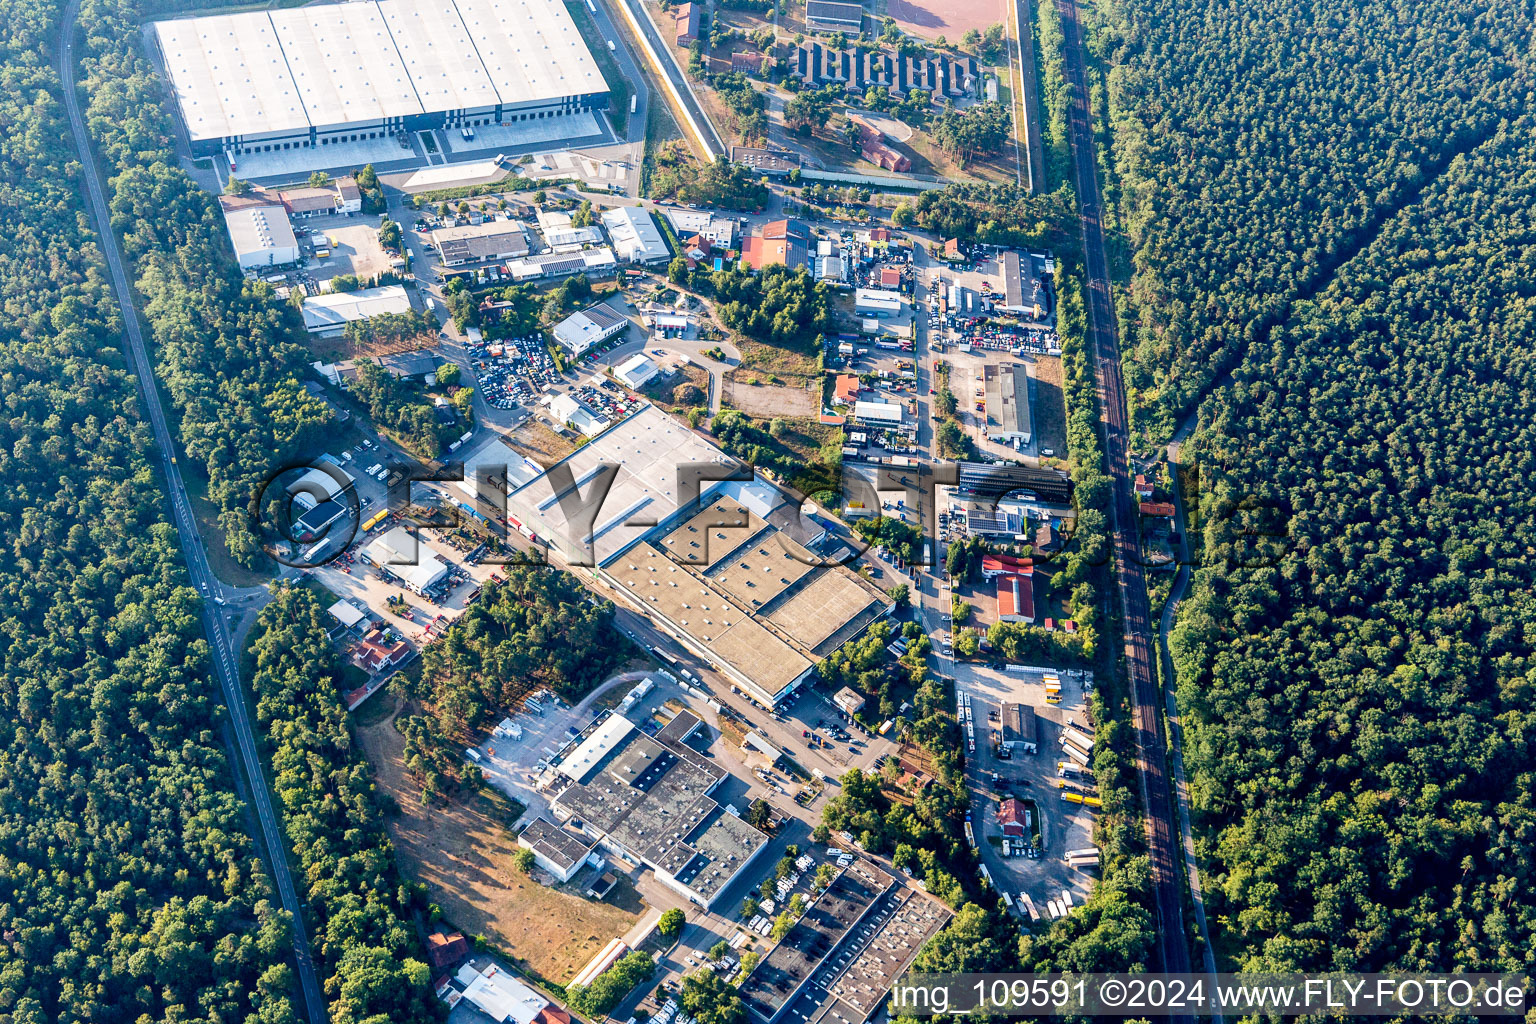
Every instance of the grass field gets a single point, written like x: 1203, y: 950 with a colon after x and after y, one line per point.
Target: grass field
x: 463, y: 851
x: 767, y: 361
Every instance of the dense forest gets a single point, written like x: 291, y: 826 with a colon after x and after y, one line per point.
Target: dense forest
x: 1259, y: 145
x: 1363, y: 708
x: 226, y: 352
x: 364, y: 936
x: 129, y: 888
x: 1327, y: 208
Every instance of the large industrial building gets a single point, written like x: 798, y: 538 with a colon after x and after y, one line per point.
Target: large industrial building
x: 261, y: 233
x: 647, y: 799
x: 1008, y: 409
x: 302, y: 78
x: 730, y: 572
x: 840, y: 959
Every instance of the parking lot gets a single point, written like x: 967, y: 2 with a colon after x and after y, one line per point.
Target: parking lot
x: 1063, y: 826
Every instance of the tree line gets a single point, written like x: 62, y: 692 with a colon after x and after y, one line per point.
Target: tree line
x: 131, y: 889
x: 226, y: 353
x: 360, y: 908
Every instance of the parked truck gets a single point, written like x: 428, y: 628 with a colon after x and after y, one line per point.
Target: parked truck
x: 1077, y: 755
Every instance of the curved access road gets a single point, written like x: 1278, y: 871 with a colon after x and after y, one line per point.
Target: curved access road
x: 1135, y: 611
x: 221, y: 651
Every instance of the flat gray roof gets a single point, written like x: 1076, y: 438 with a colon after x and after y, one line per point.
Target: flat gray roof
x: 649, y: 794
x: 1007, y: 390
x: 555, y: 844
x: 441, y: 59
x: 345, y: 65
x: 230, y: 75
x: 788, y: 965
x: 258, y: 228
x: 531, y: 49
x: 648, y: 447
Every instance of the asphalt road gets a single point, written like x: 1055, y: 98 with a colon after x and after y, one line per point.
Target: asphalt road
x: 631, y: 70
x: 223, y: 658
x: 677, y: 76
x: 1173, y: 952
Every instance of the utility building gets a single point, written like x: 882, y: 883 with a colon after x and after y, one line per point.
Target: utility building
x: 261, y: 234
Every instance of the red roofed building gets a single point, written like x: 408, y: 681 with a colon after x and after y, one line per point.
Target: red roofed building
x: 890, y: 278
x: 552, y: 1014
x: 748, y: 62
x: 845, y: 390
x: 999, y: 565
x: 446, y: 950
x: 1143, y: 487
x: 1010, y: 815
x: 687, y: 24
x: 1160, y: 509
x: 952, y: 249
x: 1015, y: 599
x: 373, y: 653
x: 873, y: 147
x: 782, y: 242
x: 879, y: 235
x: 695, y: 250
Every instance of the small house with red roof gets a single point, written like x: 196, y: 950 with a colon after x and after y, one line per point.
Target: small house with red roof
x: 1011, y: 816
x: 845, y: 389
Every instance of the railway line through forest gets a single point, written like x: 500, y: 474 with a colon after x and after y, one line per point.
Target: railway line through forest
x: 1139, y: 629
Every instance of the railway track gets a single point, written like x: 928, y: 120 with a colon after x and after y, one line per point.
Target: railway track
x: 1139, y: 629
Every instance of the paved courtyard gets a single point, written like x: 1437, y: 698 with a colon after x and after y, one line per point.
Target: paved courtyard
x: 1063, y: 826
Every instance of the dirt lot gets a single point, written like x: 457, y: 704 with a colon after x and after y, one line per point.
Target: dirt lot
x: 464, y: 853
x: 929, y: 19
x: 339, y: 347
x: 541, y: 444
x: 660, y: 389
x: 1050, y: 410
x: 769, y: 400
